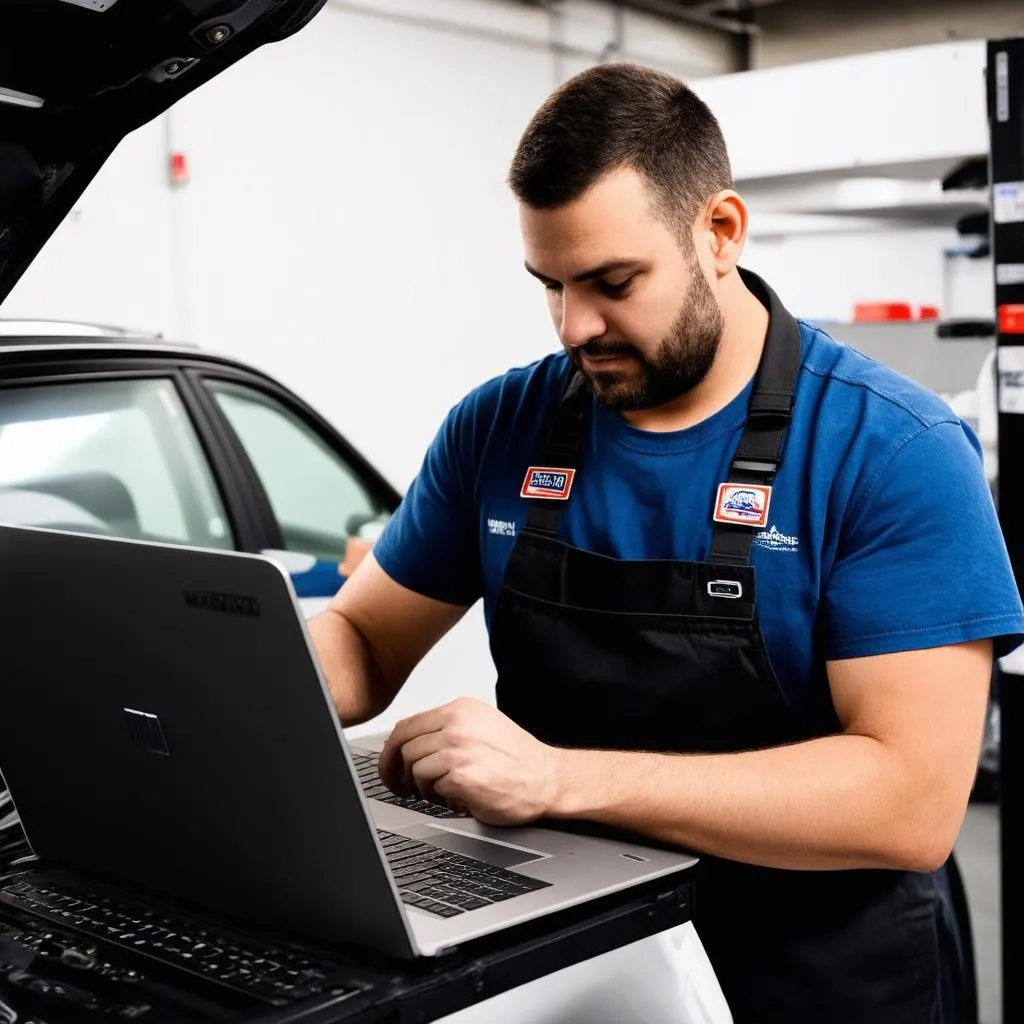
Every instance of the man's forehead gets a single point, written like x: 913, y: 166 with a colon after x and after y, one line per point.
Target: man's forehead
x: 607, y: 206
x: 617, y: 206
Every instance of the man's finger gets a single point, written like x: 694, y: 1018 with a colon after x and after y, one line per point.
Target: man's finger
x: 415, y: 725
x: 390, y: 764
x: 417, y: 749
x: 392, y: 770
x: 426, y: 773
x: 449, y: 793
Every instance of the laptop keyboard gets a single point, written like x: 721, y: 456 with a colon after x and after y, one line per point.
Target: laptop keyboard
x: 446, y: 883
x: 374, y: 789
x: 268, y: 972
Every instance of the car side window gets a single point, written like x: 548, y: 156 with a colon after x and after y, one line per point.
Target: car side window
x: 318, y: 498
x: 115, y: 457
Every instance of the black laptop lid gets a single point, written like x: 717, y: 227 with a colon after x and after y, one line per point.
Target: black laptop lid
x: 163, y: 722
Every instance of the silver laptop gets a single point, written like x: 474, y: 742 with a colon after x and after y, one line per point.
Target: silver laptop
x: 164, y: 724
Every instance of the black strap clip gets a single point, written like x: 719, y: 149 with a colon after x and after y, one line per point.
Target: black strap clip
x: 770, y: 404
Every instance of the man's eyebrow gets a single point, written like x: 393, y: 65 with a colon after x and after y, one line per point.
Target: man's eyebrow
x: 588, y: 275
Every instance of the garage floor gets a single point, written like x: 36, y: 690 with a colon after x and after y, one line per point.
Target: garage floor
x: 978, y: 855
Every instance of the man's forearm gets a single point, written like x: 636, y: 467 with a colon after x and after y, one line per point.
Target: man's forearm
x: 357, y: 684
x: 838, y: 802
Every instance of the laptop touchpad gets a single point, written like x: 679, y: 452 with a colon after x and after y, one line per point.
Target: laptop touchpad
x: 479, y: 849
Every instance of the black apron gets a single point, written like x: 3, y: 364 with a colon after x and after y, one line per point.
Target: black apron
x: 660, y: 655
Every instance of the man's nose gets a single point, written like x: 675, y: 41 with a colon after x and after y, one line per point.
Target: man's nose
x: 581, y: 322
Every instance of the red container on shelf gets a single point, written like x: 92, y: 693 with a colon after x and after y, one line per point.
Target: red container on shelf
x: 1011, y: 318
x: 880, y: 312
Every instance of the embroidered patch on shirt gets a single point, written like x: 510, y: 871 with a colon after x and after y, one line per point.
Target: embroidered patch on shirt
x: 501, y: 528
x: 774, y: 540
x: 746, y: 504
x: 545, y: 482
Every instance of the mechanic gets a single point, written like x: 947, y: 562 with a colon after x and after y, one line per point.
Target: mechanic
x: 743, y: 585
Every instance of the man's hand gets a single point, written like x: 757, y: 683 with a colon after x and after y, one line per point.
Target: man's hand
x: 471, y: 756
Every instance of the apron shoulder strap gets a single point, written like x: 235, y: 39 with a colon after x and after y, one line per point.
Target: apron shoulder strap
x: 560, y: 449
x: 759, y: 453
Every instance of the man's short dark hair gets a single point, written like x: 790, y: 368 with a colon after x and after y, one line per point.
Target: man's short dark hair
x: 623, y: 115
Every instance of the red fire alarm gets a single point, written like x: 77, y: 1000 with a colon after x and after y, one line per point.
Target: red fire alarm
x: 179, y: 169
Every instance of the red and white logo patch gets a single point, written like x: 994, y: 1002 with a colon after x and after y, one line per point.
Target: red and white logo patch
x: 746, y: 504
x: 545, y: 482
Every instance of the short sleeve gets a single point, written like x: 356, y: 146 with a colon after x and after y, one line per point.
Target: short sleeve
x: 430, y: 545
x: 921, y: 560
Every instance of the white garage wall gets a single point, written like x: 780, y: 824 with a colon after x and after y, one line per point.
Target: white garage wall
x: 355, y: 235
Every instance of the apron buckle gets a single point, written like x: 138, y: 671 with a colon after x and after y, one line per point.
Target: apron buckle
x: 768, y: 467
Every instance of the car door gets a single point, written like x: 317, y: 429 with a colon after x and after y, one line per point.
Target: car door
x: 316, y: 494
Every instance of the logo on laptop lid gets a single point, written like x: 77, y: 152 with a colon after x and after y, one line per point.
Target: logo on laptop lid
x: 145, y: 729
x: 746, y: 504
x: 546, y: 482
x: 229, y: 604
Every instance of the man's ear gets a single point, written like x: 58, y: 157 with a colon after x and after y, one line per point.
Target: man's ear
x: 722, y: 230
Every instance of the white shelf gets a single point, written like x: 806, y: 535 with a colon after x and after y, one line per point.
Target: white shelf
x: 909, y: 108
x: 834, y: 203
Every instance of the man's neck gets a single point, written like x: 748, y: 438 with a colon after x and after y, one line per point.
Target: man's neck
x: 739, y: 353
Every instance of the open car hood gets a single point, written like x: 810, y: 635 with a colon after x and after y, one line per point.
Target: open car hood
x: 77, y: 75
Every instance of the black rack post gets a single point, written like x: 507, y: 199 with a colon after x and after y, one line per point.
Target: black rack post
x: 1005, y: 73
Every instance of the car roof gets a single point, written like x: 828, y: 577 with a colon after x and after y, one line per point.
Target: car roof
x: 93, y: 346
x: 89, y: 341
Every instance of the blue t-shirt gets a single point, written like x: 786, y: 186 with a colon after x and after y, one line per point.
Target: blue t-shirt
x: 882, y: 534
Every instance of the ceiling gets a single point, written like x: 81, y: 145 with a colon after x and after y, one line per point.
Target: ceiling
x: 739, y: 16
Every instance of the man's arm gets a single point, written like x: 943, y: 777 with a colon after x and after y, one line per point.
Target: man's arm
x: 890, y: 791
x: 372, y: 635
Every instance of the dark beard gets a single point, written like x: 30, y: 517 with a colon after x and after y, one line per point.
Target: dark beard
x: 682, y: 361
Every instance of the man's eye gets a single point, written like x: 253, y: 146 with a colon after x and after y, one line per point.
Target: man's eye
x: 615, y: 291
x: 552, y: 286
